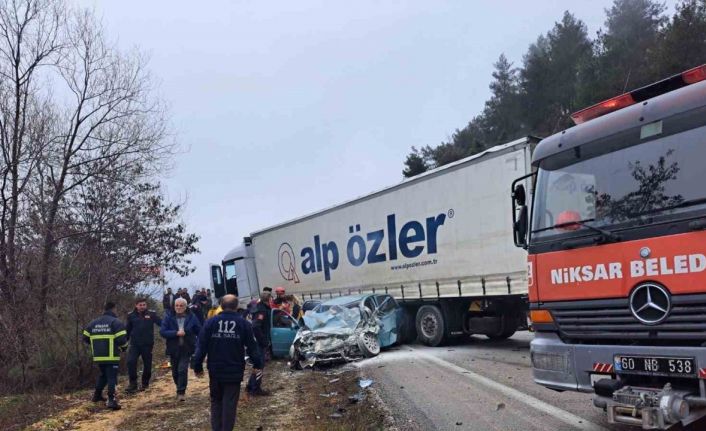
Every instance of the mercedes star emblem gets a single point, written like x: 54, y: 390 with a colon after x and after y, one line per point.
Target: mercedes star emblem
x: 650, y: 303
x: 645, y: 252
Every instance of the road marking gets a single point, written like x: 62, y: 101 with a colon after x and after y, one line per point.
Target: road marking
x: 562, y: 415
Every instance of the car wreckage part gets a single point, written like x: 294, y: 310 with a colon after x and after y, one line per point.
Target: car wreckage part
x: 649, y: 408
x: 430, y: 325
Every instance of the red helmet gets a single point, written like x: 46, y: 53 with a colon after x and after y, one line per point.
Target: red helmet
x: 279, y: 289
x: 566, y: 220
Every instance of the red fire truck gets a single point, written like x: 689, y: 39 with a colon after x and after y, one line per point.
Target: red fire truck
x: 614, y: 221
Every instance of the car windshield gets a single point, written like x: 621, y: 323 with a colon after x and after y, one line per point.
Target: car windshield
x: 618, y: 183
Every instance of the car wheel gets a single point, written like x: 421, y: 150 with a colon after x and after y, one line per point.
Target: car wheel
x: 369, y: 344
x: 430, y: 325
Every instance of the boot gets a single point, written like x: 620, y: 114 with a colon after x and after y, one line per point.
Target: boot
x: 259, y: 392
x: 98, y: 397
x: 112, y: 403
x: 131, y: 388
x: 144, y: 387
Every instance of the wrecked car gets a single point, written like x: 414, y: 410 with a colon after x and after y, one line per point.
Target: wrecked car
x: 345, y: 329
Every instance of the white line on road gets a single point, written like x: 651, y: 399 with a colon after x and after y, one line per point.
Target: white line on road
x: 562, y: 415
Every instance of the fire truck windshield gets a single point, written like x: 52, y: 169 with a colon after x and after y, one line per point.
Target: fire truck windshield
x: 620, y: 184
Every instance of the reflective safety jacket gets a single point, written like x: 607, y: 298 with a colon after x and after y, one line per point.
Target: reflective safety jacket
x: 107, y: 337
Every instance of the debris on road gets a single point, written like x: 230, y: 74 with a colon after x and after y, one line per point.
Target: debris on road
x: 364, y: 383
x: 356, y: 398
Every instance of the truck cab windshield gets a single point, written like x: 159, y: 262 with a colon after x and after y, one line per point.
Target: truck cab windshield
x: 620, y: 184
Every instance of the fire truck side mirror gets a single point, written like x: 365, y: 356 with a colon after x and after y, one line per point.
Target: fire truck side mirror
x: 519, y: 216
x: 519, y: 195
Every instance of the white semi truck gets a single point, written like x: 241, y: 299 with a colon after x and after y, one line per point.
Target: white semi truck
x: 435, y: 242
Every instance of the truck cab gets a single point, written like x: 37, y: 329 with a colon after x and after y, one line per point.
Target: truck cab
x: 236, y: 274
x: 617, y: 254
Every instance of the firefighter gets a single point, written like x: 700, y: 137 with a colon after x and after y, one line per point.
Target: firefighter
x: 280, y: 301
x: 224, y: 340
x: 107, y: 337
x: 261, y: 316
x: 140, y: 332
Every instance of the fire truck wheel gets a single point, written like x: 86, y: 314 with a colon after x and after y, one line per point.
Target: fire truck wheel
x: 430, y: 325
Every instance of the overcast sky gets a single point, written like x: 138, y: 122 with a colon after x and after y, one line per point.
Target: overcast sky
x: 286, y: 107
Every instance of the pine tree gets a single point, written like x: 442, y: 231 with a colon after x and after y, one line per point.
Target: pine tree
x: 550, y: 75
x: 625, y: 48
x: 414, y: 164
x: 502, y: 113
x: 682, y: 44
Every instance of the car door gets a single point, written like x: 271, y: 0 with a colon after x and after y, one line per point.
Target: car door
x: 282, y: 332
x: 386, y: 311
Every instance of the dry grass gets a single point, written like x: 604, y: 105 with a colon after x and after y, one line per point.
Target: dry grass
x: 296, y: 404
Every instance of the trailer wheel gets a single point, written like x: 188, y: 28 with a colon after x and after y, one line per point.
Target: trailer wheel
x: 430, y: 325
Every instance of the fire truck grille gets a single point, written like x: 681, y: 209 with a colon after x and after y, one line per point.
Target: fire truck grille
x: 610, y: 320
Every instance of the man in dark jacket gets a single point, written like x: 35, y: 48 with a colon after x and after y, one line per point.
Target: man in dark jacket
x: 198, y: 303
x: 261, y: 316
x: 168, y: 300
x: 107, y: 338
x: 224, y: 340
x: 140, y: 332
x: 180, y: 329
x: 185, y: 295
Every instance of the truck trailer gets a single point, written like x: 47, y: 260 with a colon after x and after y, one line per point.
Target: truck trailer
x: 434, y: 242
x: 617, y: 254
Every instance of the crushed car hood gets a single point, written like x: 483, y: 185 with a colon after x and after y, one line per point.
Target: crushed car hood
x: 331, y: 336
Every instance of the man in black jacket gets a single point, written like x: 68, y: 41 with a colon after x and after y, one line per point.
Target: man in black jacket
x: 107, y: 337
x: 261, y: 324
x: 140, y: 332
x: 224, y: 340
x: 168, y: 300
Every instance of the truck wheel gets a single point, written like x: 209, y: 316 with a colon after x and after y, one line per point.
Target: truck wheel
x: 369, y: 344
x: 430, y: 325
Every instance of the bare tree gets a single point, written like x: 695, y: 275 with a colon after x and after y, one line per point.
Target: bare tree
x: 111, y: 126
x: 29, y: 40
x: 83, y: 142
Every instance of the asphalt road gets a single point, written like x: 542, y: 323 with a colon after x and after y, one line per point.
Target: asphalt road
x: 477, y: 385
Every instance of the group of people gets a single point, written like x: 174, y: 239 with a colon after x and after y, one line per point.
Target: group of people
x: 223, y: 340
x: 200, y: 304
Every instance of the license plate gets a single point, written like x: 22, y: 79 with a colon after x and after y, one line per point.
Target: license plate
x: 655, y: 365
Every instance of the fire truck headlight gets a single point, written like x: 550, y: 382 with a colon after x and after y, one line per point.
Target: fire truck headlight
x: 550, y: 362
